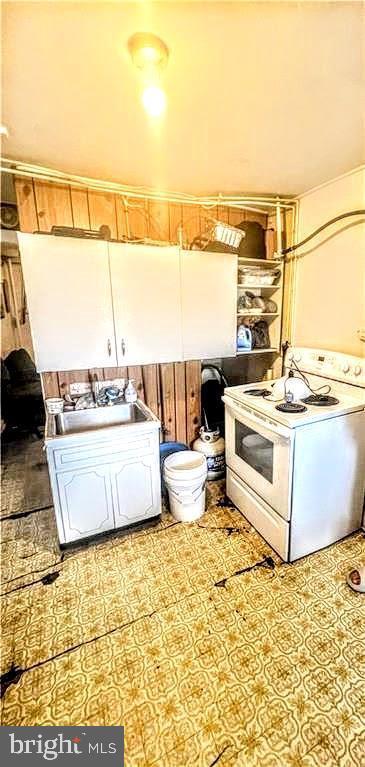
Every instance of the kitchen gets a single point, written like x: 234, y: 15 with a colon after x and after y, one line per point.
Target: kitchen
x: 213, y: 619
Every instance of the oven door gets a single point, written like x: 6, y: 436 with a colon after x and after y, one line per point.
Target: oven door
x: 260, y: 452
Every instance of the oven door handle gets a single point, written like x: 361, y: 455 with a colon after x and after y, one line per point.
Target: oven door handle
x: 243, y: 413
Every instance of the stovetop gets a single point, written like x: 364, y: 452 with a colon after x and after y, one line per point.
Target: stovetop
x: 344, y: 398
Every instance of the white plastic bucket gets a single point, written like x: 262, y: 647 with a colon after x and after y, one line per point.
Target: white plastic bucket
x: 178, y: 464
x: 185, y: 475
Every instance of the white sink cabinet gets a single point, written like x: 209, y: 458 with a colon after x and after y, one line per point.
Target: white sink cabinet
x: 105, y: 478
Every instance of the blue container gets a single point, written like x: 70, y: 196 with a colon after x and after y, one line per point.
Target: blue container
x: 166, y: 449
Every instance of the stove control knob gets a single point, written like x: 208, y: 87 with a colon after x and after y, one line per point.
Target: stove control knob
x: 357, y: 370
x: 346, y: 368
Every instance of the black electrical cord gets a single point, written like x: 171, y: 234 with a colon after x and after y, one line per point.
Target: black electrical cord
x: 320, y: 229
x: 305, y: 379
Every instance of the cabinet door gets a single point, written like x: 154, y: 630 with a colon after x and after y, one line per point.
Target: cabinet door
x: 67, y: 283
x: 136, y: 489
x: 146, y: 298
x: 209, y: 304
x: 86, y: 502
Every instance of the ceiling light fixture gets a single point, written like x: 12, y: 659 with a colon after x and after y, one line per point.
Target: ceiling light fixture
x: 150, y: 54
x: 147, y: 51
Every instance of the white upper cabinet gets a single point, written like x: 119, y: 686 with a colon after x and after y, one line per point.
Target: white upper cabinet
x: 208, y: 299
x: 147, y: 303
x: 68, y: 291
x: 94, y: 304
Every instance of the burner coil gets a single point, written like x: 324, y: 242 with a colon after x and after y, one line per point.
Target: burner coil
x: 291, y: 407
x: 320, y: 400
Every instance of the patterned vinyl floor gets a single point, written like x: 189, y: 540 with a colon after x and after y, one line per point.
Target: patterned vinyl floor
x: 154, y: 630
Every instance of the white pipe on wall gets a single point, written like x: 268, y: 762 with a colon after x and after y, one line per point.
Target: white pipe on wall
x: 279, y: 239
x: 47, y: 174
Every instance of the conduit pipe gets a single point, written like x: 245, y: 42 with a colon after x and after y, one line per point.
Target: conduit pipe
x: 297, y: 245
x: 28, y: 170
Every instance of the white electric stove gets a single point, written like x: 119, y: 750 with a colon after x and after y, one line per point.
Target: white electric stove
x: 296, y: 462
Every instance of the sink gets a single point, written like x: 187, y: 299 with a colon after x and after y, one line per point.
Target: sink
x: 104, y: 465
x: 99, y: 418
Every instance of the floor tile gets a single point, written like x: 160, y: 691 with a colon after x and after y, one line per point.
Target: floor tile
x: 182, y: 634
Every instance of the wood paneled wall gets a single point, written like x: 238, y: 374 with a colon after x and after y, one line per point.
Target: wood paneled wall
x: 42, y: 204
x: 172, y: 390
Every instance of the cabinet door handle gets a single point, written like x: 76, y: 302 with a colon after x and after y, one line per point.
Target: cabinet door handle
x: 123, y: 346
x: 109, y: 348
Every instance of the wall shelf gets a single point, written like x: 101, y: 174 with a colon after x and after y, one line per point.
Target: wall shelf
x: 242, y: 352
x: 260, y: 261
x: 257, y: 314
x: 258, y: 287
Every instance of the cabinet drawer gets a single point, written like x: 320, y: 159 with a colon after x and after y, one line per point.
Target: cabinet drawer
x: 89, y: 454
x: 264, y: 519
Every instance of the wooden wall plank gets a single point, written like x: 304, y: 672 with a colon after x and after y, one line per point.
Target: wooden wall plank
x: 223, y: 213
x: 50, y: 385
x: 53, y: 203
x: 270, y: 243
x: 102, y: 211
x: 159, y: 224
x: 151, y: 388
x: 271, y: 221
x: 207, y: 217
x: 137, y: 216
x: 27, y: 208
x: 236, y: 216
x: 80, y: 208
x: 261, y: 218
x: 135, y: 372
x: 180, y: 401
x: 122, y: 225
x: 66, y: 377
x: 191, y: 222
x: 96, y: 374
x: 168, y: 401
x: 111, y: 373
x: 193, y: 407
x: 271, y: 224
x: 175, y: 219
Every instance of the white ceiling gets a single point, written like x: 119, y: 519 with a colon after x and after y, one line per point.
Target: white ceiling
x: 262, y: 97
